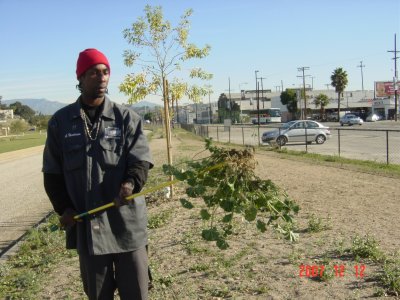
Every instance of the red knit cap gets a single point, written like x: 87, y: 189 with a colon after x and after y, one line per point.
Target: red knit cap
x: 88, y: 58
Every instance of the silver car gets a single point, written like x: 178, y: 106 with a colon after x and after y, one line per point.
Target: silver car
x: 350, y: 119
x: 298, y: 131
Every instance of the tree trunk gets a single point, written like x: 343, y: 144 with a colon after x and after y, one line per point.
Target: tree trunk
x: 167, y: 129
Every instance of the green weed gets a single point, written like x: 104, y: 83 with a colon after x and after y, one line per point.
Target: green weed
x: 366, y: 247
x: 160, y: 219
x: 316, y: 224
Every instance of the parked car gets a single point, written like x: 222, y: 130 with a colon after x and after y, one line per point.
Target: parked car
x: 372, y: 118
x: 296, y: 131
x: 350, y: 119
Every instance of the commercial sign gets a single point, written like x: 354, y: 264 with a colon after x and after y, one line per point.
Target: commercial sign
x: 385, y: 88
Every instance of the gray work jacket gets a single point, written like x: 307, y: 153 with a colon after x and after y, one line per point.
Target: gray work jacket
x: 93, y: 172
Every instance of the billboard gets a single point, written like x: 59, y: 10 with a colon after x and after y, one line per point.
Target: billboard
x: 385, y: 88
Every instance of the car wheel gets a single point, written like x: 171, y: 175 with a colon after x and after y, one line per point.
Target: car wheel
x: 320, y: 139
x: 281, y: 140
x: 341, y: 124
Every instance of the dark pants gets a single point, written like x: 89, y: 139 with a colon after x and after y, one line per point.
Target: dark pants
x: 127, y: 272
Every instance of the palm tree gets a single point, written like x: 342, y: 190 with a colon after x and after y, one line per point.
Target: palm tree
x: 339, y: 82
x: 322, y: 101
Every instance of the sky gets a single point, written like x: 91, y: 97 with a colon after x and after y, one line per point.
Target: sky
x: 41, y: 41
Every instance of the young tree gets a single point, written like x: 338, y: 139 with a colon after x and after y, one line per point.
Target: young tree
x: 339, y: 82
x: 321, y: 101
x: 159, y: 50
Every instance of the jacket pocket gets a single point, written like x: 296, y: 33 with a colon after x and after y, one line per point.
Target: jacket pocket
x: 74, y: 156
x: 110, y: 153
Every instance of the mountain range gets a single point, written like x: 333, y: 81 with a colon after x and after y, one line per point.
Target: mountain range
x: 43, y: 106
x: 47, y: 107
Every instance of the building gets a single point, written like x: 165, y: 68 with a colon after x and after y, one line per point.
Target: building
x: 6, y: 114
x: 362, y: 102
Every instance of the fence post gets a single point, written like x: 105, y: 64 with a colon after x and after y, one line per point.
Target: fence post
x: 229, y: 134
x: 339, y: 141
x: 305, y: 129
x: 217, y: 134
x: 243, y: 135
x: 387, y: 147
x: 258, y: 137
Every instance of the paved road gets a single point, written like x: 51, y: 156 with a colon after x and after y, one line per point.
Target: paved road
x: 355, y: 141
x: 22, y: 197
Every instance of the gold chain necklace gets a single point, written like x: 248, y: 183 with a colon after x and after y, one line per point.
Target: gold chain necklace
x: 95, y: 124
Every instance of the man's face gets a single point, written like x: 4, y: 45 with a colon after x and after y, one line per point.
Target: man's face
x: 94, y: 81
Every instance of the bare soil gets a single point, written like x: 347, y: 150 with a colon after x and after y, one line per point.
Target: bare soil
x: 261, y: 265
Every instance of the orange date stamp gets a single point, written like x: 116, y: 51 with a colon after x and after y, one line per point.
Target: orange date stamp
x: 339, y: 270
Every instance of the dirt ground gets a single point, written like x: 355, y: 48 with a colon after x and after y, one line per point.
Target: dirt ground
x: 261, y: 265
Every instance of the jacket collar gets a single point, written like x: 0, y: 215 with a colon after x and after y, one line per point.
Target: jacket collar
x: 108, y: 111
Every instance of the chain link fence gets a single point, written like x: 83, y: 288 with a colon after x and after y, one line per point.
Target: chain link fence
x: 379, y: 145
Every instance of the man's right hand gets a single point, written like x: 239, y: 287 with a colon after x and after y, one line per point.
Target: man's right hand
x: 67, y: 218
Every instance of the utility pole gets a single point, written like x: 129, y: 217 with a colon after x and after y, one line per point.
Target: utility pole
x: 240, y: 90
x: 327, y: 86
x: 258, y: 100
x: 362, y: 77
x: 302, y: 69
x: 262, y: 90
x: 282, y: 85
x: 395, y: 78
x: 312, y: 82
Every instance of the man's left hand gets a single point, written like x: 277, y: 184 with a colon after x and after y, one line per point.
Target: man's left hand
x: 126, y: 190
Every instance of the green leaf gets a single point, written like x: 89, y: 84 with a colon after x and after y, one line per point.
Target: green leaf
x: 186, y: 204
x: 180, y: 176
x: 191, y: 192
x: 227, y: 218
x: 191, y: 181
x: 261, y: 226
x: 227, y: 205
x: 200, y: 189
x: 250, y: 214
x: 205, y: 215
x: 222, y: 244
x: 210, y: 234
x: 228, y: 229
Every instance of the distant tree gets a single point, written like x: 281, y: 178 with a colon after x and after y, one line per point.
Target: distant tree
x: 149, y: 116
x: 18, y: 126
x: 289, y: 98
x: 24, y: 111
x: 228, y: 109
x: 223, y: 110
x: 40, y: 121
x: 321, y: 101
x: 339, y: 82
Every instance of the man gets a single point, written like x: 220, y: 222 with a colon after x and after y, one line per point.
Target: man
x: 96, y: 152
